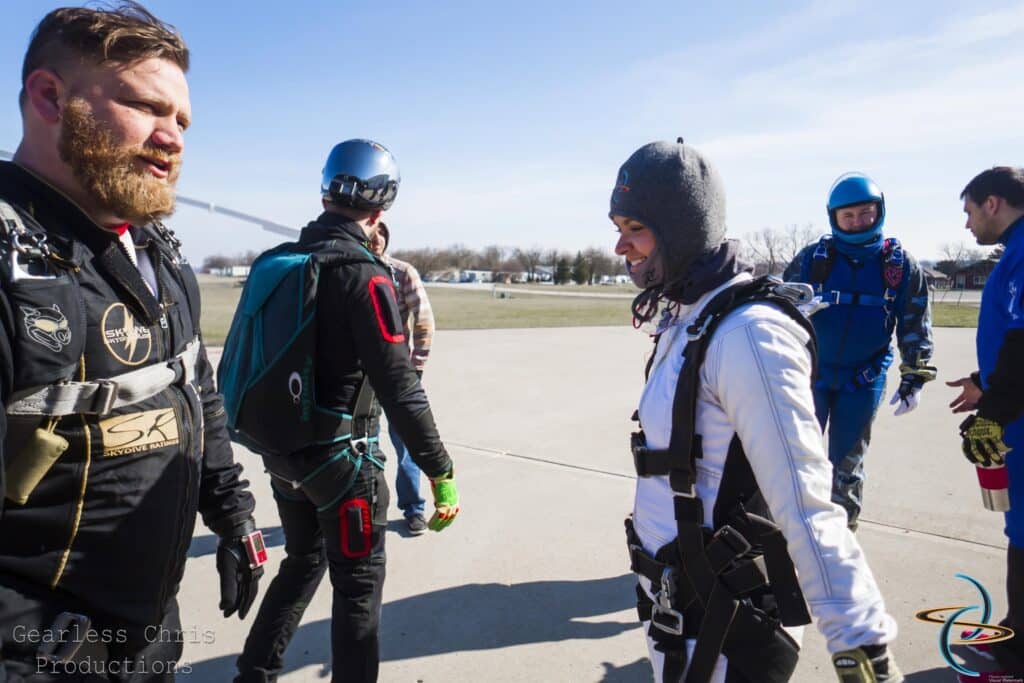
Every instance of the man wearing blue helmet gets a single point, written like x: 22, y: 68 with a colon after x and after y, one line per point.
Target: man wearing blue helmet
x: 872, y: 287
x: 333, y: 498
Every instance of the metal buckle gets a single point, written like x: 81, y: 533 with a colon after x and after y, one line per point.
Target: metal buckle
x: 638, y: 447
x: 360, y: 445
x: 733, y: 539
x: 177, y: 366
x: 799, y: 293
x: 106, y: 394
x: 663, y: 606
x: 694, y: 336
x: 692, y: 493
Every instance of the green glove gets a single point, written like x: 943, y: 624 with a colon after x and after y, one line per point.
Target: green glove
x: 446, y: 502
x: 867, y: 664
x: 983, y: 441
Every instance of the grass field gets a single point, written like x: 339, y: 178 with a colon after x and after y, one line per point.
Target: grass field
x: 469, y: 309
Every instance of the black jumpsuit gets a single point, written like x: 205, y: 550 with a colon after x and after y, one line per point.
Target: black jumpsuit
x: 359, y: 334
x: 106, y: 531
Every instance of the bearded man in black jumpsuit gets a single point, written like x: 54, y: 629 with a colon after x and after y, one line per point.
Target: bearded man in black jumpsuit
x: 113, y: 432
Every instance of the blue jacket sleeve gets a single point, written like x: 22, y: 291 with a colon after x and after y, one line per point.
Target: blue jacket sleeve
x: 914, y: 324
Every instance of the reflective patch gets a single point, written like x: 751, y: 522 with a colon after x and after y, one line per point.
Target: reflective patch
x: 1014, y: 309
x: 47, y: 326
x: 127, y: 341
x: 385, y: 305
x: 138, y: 432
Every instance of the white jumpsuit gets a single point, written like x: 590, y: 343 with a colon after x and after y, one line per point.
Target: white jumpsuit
x: 755, y: 383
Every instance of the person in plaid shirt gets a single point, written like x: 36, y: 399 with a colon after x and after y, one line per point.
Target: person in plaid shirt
x: 414, y: 306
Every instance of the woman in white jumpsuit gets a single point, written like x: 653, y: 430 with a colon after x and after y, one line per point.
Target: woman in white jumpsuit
x: 668, y: 205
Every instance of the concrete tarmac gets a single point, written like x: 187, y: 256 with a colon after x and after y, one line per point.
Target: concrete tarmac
x: 532, y: 582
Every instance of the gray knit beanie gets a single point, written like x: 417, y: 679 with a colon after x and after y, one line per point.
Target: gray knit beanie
x: 672, y: 189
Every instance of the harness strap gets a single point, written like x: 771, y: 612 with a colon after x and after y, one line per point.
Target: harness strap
x: 362, y: 413
x: 856, y: 298
x: 100, y: 397
x: 713, y: 572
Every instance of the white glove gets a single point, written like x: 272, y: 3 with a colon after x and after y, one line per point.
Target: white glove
x: 906, y: 403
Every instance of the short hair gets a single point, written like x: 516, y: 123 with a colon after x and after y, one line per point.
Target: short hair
x: 1006, y: 182
x: 121, y: 34
x: 385, y: 232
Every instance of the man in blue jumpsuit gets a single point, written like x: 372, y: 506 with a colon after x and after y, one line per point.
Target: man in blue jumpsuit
x: 872, y: 287
x: 994, y: 204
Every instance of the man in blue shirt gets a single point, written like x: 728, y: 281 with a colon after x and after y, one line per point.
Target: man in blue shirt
x: 994, y: 204
x: 872, y: 288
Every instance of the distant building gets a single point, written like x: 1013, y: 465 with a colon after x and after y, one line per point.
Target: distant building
x: 231, y: 271
x: 469, y: 275
x: 935, y: 278
x: 974, y: 275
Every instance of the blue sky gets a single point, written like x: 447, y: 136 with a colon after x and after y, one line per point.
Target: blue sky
x: 510, y: 121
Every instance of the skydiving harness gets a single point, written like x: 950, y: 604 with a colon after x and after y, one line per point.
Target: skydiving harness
x: 731, y: 587
x: 30, y: 257
x: 268, y: 373
x: 893, y: 262
x: 365, y: 428
x: 35, y: 269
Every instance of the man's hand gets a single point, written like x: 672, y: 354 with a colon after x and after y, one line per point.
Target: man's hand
x: 239, y: 578
x: 970, y: 394
x: 446, y: 502
x: 906, y: 394
x: 867, y: 664
x: 983, y: 441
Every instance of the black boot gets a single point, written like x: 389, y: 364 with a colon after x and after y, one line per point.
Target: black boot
x: 1010, y: 653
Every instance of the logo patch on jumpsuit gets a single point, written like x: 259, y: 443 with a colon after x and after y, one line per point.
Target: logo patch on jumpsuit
x: 47, y: 326
x: 138, y: 432
x: 126, y: 340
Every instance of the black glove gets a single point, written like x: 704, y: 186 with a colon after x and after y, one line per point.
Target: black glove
x: 239, y: 579
x: 867, y: 664
x: 983, y: 441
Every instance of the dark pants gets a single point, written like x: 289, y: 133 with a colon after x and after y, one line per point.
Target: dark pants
x: 848, y: 416
x: 323, y: 532
x: 118, y: 653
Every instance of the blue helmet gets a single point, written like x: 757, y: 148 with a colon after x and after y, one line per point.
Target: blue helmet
x: 850, y: 189
x: 361, y: 174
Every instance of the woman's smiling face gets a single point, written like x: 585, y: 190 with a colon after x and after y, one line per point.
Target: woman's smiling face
x: 636, y: 240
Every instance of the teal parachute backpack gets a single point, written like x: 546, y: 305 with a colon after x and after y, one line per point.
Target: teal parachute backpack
x: 268, y: 370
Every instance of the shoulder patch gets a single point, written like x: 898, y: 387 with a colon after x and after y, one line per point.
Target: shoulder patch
x: 385, y: 305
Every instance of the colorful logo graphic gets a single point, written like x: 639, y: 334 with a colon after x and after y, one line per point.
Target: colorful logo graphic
x: 974, y: 632
x: 623, y: 184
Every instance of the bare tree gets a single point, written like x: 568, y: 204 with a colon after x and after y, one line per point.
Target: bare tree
x: 956, y: 256
x: 601, y: 263
x: 772, y: 249
x: 796, y: 237
x: 492, y: 258
x: 530, y: 258
x: 764, y: 248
